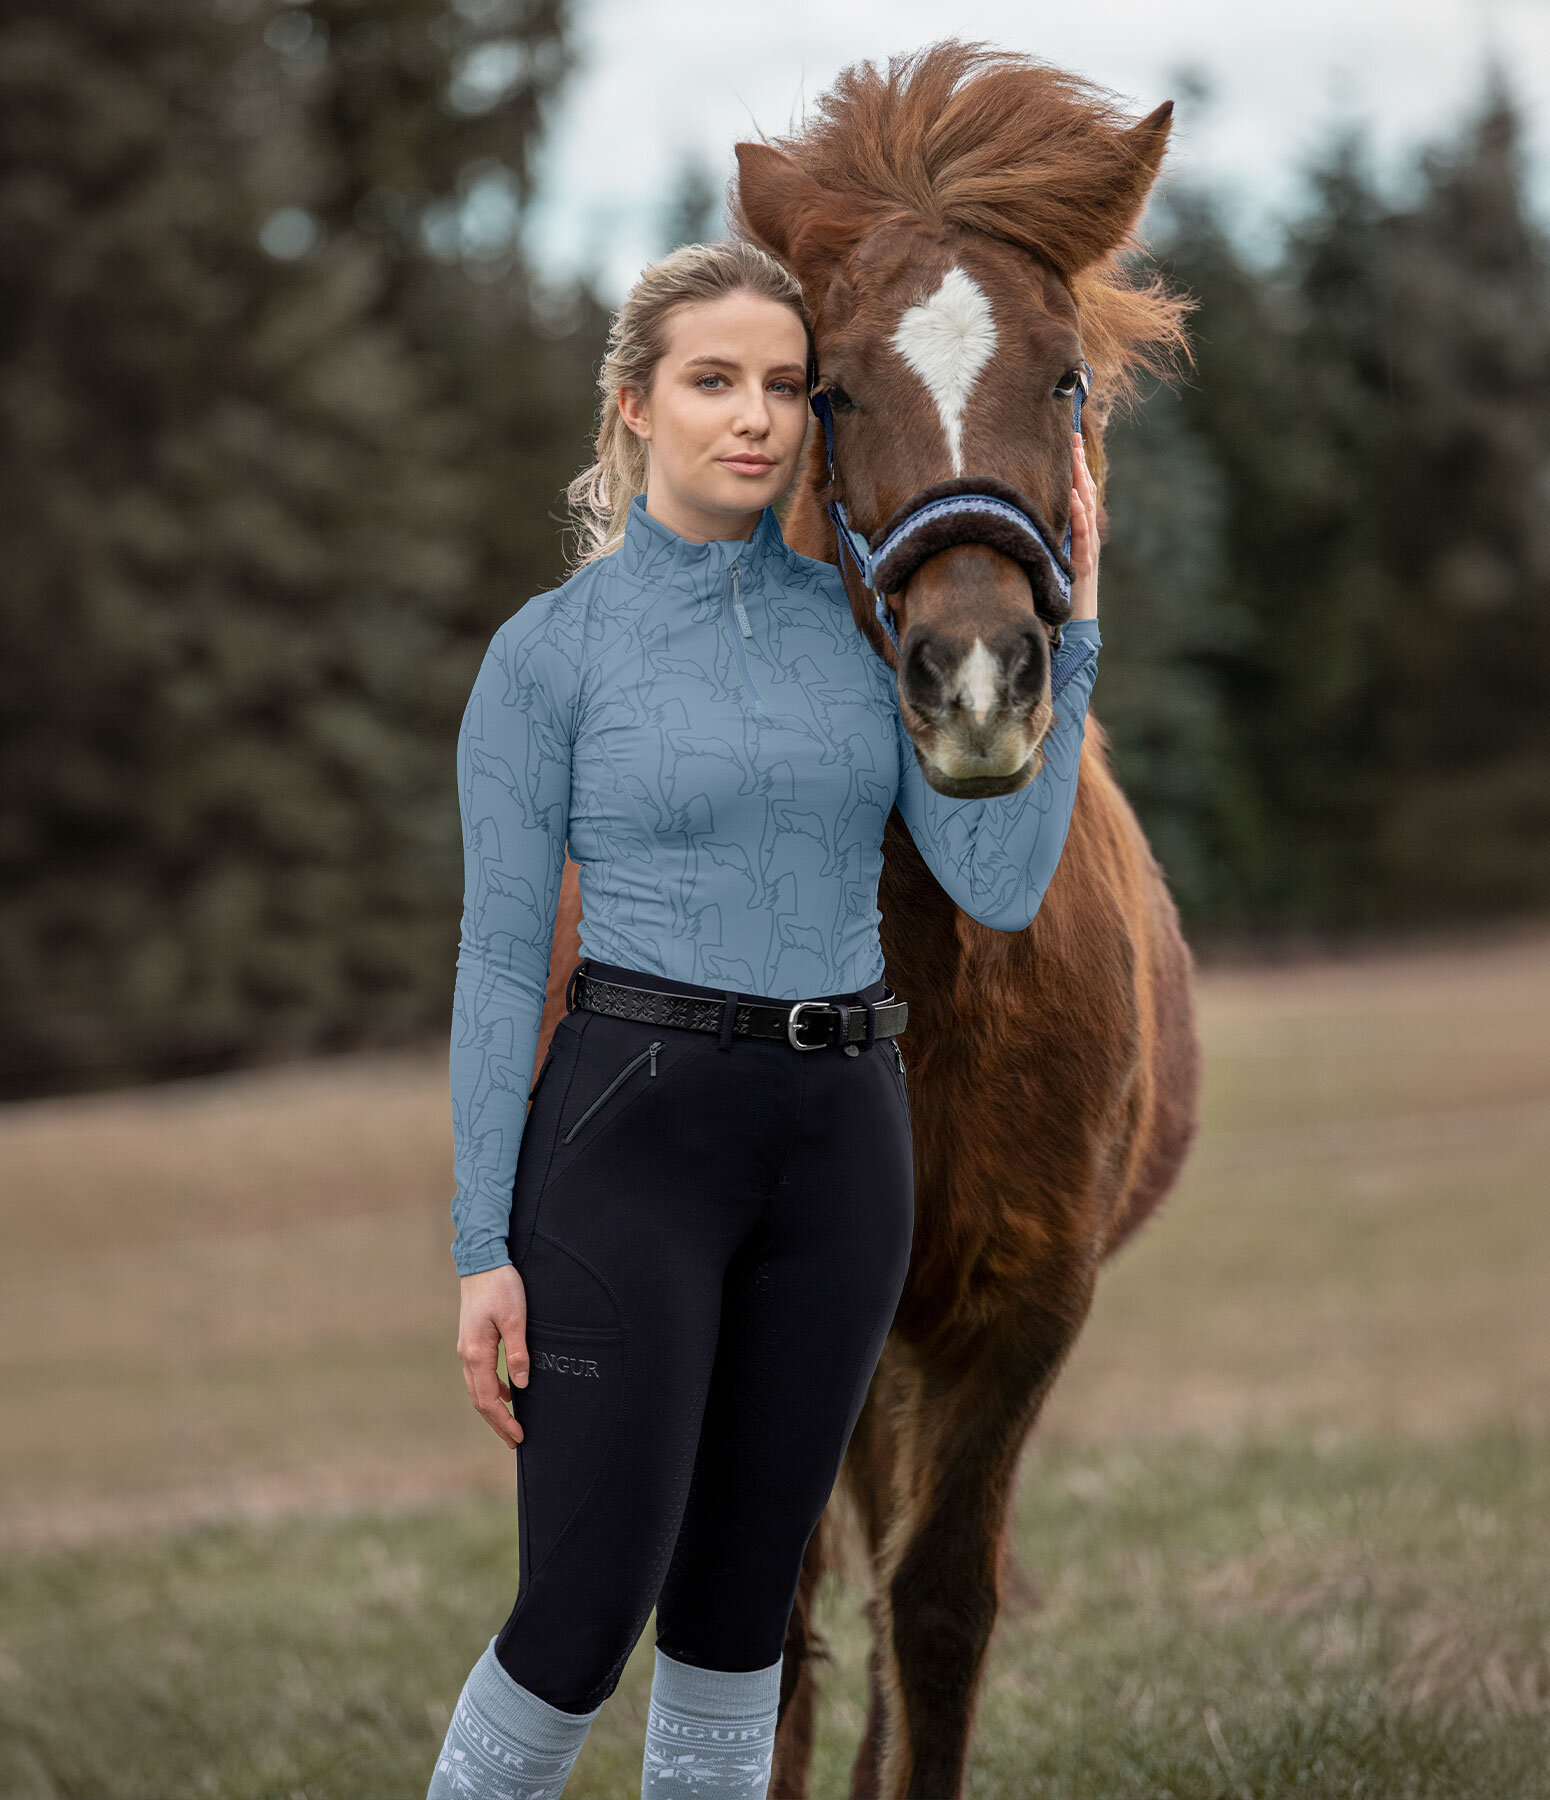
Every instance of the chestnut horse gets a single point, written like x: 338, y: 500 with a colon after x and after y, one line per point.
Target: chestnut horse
x: 1054, y: 1071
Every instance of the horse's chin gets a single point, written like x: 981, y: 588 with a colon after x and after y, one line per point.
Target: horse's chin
x: 980, y: 786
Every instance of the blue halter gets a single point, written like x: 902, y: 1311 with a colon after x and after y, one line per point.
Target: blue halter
x: 968, y: 511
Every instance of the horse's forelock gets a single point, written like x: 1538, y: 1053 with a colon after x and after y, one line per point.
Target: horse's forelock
x: 1003, y: 144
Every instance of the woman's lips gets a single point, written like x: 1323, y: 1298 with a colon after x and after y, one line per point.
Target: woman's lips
x: 748, y: 465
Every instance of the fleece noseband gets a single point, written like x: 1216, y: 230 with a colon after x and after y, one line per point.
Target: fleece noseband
x: 971, y: 509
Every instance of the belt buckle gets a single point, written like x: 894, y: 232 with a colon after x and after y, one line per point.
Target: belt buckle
x: 791, y: 1024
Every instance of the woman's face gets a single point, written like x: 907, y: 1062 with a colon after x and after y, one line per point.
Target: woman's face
x: 726, y: 415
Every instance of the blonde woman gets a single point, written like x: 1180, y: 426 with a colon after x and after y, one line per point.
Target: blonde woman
x: 693, y: 1243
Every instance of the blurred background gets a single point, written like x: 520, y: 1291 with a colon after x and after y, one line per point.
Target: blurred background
x: 301, y: 305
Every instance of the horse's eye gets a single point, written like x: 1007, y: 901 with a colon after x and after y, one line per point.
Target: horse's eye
x: 1066, y: 386
x: 838, y: 398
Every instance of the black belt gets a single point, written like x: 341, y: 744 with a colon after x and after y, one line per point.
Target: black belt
x: 804, y: 1024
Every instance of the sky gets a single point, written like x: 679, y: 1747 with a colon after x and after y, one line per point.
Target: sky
x: 658, y: 81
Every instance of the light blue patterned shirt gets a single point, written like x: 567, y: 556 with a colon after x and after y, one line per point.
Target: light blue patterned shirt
x: 707, y: 729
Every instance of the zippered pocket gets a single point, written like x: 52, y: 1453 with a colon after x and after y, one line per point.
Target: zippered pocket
x: 649, y: 1054
x: 904, y: 1085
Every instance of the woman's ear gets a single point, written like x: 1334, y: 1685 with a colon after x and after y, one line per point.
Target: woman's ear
x: 634, y: 413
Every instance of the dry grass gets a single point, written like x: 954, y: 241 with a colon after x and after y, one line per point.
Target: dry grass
x: 1283, y: 1522
x: 234, y: 1296
x: 1360, y: 1241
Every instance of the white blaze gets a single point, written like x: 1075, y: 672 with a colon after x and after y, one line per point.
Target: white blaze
x: 976, y: 681
x: 947, y: 340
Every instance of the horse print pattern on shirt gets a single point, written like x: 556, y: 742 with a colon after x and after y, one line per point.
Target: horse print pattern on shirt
x: 724, y: 795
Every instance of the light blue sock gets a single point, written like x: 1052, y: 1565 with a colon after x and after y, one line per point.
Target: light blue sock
x: 504, y: 1743
x: 710, y: 1733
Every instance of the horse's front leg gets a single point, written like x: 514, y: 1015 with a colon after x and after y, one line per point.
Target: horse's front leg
x: 796, y: 1722
x: 939, y: 1584
x: 866, y: 1485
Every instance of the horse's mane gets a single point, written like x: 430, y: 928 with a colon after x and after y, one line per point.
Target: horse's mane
x: 1008, y: 145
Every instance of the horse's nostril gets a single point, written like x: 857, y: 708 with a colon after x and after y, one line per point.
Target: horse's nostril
x: 1030, y: 672
x: 927, y: 699
x: 921, y: 681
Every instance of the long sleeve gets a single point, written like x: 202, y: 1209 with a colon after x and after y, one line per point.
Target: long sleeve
x: 995, y: 857
x: 514, y: 774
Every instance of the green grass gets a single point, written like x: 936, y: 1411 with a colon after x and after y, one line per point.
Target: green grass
x: 1364, y: 1618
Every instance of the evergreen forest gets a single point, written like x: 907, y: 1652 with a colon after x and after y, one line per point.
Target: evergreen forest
x: 285, y: 421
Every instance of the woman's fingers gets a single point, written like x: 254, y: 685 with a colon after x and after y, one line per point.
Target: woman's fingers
x: 481, y: 1376
x: 492, y: 1312
x: 1084, y: 478
x: 485, y: 1386
x: 1084, y: 511
x: 1083, y: 533
x: 514, y: 1336
x: 1081, y: 553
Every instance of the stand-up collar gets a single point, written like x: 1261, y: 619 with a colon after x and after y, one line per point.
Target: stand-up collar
x: 655, y: 550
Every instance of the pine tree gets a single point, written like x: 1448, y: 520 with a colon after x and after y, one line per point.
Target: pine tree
x: 254, y: 528
x: 1342, y: 722
x: 1463, y: 665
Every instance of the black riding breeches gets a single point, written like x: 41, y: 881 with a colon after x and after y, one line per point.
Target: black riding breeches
x: 712, y: 1248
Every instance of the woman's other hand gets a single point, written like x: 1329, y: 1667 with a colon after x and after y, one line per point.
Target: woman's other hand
x: 1084, y: 536
x: 493, y: 1311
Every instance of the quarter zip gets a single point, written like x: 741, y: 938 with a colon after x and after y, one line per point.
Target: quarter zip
x: 634, y: 1063
x: 732, y: 593
x: 737, y: 603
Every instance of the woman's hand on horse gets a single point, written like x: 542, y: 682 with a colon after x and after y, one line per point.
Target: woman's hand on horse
x: 1084, y: 536
x: 493, y: 1311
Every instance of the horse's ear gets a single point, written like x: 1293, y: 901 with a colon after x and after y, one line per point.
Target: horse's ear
x: 1106, y: 214
x: 782, y: 209
x: 1147, y: 139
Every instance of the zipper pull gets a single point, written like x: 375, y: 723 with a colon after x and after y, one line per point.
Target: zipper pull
x: 656, y: 1046
x: 737, y: 604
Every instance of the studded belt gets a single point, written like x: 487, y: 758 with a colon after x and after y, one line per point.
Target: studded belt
x: 804, y: 1024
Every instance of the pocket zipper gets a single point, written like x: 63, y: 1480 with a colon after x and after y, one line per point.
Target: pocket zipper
x: 634, y: 1063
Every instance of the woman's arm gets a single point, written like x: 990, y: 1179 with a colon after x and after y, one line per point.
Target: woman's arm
x: 514, y: 772
x: 996, y: 857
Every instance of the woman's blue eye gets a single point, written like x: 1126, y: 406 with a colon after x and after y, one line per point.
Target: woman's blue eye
x: 782, y: 382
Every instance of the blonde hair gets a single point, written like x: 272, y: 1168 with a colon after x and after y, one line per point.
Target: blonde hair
x: 599, y: 497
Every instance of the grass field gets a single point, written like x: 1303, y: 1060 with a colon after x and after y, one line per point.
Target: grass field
x: 1371, y: 1619
x: 1286, y: 1513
